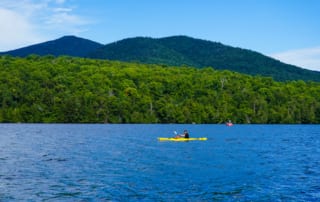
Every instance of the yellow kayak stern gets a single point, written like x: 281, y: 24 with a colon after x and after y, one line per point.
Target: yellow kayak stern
x: 181, y: 139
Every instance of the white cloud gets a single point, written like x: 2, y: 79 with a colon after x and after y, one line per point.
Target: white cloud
x: 59, y: 10
x: 60, y: 1
x: 308, y: 58
x: 16, y: 30
x: 63, y: 19
x: 26, y: 22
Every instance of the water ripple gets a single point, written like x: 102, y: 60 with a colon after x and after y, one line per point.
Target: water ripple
x: 83, y: 162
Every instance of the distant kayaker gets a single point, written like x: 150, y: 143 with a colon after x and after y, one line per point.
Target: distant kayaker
x: 229, y: 123
x: 184, y: 135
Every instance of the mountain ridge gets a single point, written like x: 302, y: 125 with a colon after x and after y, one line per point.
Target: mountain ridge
x: 66, y: 45
x: 201, y: 53
x: 173, y: 51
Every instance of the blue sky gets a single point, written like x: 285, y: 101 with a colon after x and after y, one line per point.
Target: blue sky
x: 288, y: 30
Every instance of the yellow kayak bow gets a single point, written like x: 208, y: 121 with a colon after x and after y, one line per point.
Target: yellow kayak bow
x: 181, y: 139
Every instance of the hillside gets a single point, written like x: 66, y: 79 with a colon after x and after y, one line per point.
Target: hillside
x: 143, y: 50
x: 67, y: 45
x: 173, y: 51
x: 78, y: 90
x: 183, y: 50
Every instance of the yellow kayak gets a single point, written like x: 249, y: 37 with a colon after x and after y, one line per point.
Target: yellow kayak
x: 181, y: 139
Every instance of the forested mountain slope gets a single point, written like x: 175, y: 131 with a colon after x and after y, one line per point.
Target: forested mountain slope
x: 173, y: 51
x: 187, y: 51
x: 67, y: 45
x: 143, y: 50
x: 77, y: 90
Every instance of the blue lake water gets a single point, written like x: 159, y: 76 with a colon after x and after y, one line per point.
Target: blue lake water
x: 96, y: 162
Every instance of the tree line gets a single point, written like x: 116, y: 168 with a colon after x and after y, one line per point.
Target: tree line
x: 65, y: 89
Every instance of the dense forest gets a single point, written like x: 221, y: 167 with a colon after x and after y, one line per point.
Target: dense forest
x: 172, y: 51
x: 67, y: 45
x: 187, y: 51
x: 66, y: 89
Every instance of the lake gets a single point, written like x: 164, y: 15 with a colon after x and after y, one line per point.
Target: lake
x: 126, y: 162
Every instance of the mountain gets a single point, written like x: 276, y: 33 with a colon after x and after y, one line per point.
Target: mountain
x: 183, y: 50
x: 67, y: 45
x: 173, y: 51
x: 143, y: 50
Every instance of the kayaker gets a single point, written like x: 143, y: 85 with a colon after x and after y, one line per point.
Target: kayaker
x: 184, y: 135
x: 229, y: 123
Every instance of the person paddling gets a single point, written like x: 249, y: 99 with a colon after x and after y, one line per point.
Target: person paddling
x: 184, y: 135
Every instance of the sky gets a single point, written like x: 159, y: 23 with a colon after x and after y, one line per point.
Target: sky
x: 288, y: 30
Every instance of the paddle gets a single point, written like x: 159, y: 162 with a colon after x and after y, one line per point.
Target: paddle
x: 176, y: 134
